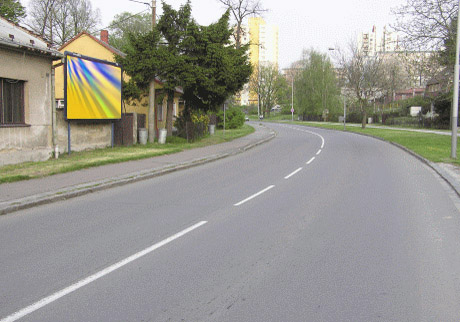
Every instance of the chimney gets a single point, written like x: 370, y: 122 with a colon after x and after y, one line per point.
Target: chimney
x: 105, y: 36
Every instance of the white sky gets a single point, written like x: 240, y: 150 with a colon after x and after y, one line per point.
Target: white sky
x: 303, y: 24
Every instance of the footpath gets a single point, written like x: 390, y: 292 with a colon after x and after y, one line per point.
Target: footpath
x: 29, y: 193
x: 383, y: 127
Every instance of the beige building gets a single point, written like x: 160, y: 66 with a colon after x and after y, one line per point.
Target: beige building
x: 26, y: 120
x: 263, y: 49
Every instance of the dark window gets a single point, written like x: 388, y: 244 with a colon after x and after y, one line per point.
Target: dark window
x: 160, y: 112
x: 11, y: 101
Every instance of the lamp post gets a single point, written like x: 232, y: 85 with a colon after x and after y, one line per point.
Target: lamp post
x: 453, y: 152
x: 292, y: 99
x: 344, y: 101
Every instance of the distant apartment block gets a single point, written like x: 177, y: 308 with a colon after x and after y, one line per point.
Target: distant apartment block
x: 375, y: 42
x: 263, y: 50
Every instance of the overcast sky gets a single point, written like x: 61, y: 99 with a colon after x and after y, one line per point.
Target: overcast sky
x: 303, y: 24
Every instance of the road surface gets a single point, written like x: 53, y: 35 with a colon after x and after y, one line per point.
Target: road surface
x: 315, y: 225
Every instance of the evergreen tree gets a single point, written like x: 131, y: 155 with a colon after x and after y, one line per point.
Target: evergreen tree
x: 220, y: 69
x: 12, y: 10
x: 180, y: 52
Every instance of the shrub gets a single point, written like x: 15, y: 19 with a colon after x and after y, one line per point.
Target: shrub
x: 234, y: 118
x: 193, y: 128
x: 442, y: 106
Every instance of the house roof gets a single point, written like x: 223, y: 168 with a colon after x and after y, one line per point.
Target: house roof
x: 100, y: 42
x: 410, y: 91
x: 14, y: 36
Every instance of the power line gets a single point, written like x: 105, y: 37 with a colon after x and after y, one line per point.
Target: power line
x: 141, y: 2
x: 118, y: 22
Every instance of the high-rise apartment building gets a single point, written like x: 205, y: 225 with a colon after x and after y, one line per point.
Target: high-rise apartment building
x: 263, y: 50
x: 374, y: 42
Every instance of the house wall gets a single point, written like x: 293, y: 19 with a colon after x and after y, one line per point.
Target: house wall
x: 84, y: 135
x: 86, y: 46
x: 31, y: 143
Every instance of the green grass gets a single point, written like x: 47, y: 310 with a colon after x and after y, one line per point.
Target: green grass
x: 433, y: 147
x: 98, y: 157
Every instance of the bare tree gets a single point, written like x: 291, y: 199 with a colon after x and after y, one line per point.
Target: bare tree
x: 419, y: 66
x: 425, y: 24
x: 363, y: 76
x: 394, y: 76
x: 241, y: 9
x: 60, y: 20
x: 40, y: 16
x: 268, y: 83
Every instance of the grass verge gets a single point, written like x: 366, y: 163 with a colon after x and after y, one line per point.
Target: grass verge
x: 98, y: 157
x: 433, y: 147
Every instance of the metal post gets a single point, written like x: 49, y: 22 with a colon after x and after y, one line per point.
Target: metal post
x: 224, y: 118
x: 292, y: 99
x: 113, y: 134
x: 344, y: 113
x: 68, y: 138
x: 453, y: 153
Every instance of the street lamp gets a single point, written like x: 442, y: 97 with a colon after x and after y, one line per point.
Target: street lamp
x: 344, y: 102
x: 292, y: 99
x: 453, y: 152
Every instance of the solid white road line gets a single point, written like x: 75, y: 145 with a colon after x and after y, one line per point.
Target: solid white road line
x: 47, y: 300
x: 254, y: 195
x: 311, y: 160
x: 319, y: 151
x: 290, y: 175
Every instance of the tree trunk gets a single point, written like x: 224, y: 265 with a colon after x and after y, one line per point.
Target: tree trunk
x: 169, y: 113
x: 363, y: 125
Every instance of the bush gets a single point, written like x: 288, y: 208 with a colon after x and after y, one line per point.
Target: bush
x: 442, y: 107
x: 193, y: 128
x: 354, y: 117
x: 286, y: 109
x: 234, y: 118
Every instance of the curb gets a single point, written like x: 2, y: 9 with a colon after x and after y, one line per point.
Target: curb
x: 441, y: 172
x: 83, y: 189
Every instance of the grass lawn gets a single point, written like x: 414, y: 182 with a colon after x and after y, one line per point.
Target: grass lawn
x: 433, y: 147
x: 93, y: 158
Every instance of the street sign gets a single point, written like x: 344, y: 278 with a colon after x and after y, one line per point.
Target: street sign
x: 292, y: 110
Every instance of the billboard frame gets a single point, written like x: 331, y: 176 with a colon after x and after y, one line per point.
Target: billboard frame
x: 76, y: 55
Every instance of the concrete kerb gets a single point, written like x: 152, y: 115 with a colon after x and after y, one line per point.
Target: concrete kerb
x: 79, y: 190
x: 441, y: 172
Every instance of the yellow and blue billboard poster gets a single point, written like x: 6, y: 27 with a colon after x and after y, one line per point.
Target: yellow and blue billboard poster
x: 92, y: 88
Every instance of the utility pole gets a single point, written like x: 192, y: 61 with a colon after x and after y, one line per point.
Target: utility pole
x: 453, y: 152
x: 151, y: 113
x: 292, y: 98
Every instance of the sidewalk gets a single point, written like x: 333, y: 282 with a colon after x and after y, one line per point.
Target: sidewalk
x: 25, y: 194
x: 384, y: 127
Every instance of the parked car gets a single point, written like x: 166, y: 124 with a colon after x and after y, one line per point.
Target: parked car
x: 276, y: 109
x: 246, y: 118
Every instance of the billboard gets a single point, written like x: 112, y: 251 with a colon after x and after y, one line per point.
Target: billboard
x: 92, y: 88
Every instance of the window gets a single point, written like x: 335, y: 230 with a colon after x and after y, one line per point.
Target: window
x: 11, y: 101
x: 160, y: 112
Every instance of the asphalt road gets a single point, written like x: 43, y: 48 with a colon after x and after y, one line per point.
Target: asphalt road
x: 362, y: 232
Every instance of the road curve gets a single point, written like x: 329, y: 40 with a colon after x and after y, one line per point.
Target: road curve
x: 314, y: 225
